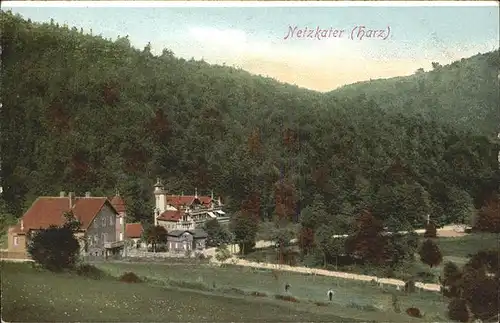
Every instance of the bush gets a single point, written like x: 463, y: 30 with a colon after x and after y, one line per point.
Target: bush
x: 286, y: 298
x: 54, y: 248
x: 130, y: 277
x: 90, y: 271
x: 457, y: 310
x: 414, y: 312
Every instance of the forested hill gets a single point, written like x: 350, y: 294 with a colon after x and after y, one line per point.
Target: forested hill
x: 464, y: 93
x: 82, y: 113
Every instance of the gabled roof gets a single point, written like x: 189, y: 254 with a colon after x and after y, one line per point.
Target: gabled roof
x: 47, y: 211
x: 170, y: 216
x: 177, y: 200
x: 197, y: 233
x: 134, y: 230
x: 118, y: 203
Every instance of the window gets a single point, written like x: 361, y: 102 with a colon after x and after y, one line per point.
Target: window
x: 104, y: 237
x: 121, y: 220
x: 111, y: 222
x: 121, y: 236
x: 16, y: 241
x: 103, y: 221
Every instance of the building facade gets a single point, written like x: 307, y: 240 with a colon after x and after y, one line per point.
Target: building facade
x: 185, y: 212
x: 97, y: 234
x: 182, y: 241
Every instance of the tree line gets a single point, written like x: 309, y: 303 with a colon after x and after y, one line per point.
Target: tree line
x: 83, y: 113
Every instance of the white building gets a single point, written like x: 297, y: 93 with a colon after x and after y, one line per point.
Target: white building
x: 185, y: 212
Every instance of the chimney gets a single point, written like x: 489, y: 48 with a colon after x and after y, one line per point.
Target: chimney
x: 219, y: 201
x: 196, y: 193
x: 22, y: 225
x: 62, y: 194
x: 87, y: 194
x: 71, y: 197
x: 212, y: 194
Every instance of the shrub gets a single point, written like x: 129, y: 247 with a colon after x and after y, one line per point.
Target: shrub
x: 54, y: 248
x: 90, y: 271
x: 222, y: 253
x: 457, y: 310
x: 414, y: 312
x: 286, y: 298
x: 258, y: 294
x: 130, y: 277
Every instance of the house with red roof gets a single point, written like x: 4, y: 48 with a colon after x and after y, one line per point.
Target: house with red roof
x: 133, y: 232
x: 185, y: 212
x: 97, y: 215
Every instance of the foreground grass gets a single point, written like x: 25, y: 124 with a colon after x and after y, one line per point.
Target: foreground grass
x: 354, y: 299
x: 30, y: 295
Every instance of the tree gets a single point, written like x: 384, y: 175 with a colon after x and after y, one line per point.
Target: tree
x: 217, y: 235
x: 451, y: 279
x: 488, y: 218
x: 368, y: 241
x: 55, y: 248
x: 244, y: 228
x: 430, y: 254
x: 457, y: 310
x: 155, y: 235
x: 306, y: 239
x: 430, y: 230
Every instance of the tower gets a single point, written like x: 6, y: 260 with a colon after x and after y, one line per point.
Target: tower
x: 160, y: 199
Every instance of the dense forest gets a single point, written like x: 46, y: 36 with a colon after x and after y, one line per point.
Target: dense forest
x: 83, y: 113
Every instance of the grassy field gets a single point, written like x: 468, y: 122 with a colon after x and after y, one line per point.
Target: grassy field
x: 30, y: 295
x: 461, y: 247
x: 354, y: 299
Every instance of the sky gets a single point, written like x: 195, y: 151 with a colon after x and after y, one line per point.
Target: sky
x: 256, y: 38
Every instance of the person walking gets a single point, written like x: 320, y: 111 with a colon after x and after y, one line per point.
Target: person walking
x: 330, y: 294
x: 287, y: 287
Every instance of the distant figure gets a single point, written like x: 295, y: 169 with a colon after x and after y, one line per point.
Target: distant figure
x: 330, y: 294
x: 287, y: 287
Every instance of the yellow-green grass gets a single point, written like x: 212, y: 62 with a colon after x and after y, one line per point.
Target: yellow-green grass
x: 30, y: 295
x: 349, y: 293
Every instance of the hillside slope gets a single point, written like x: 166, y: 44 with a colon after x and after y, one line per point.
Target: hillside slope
x: 464, y: 93
x: 82, y: 113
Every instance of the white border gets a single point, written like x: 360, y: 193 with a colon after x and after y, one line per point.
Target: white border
x: 145, y: 4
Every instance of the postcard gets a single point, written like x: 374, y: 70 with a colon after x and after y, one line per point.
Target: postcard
x: 245, y: 161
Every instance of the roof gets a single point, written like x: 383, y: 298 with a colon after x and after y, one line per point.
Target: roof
x: 118, y: 203
x: 170, y: 216
x: 177, y: 200
x: 197, y: 233
x: 134, y: 230
x: 47, y: 211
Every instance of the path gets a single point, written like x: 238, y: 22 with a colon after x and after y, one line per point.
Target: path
x: 322, y: 272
